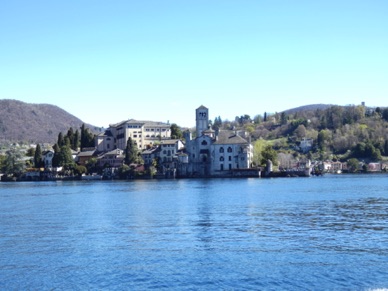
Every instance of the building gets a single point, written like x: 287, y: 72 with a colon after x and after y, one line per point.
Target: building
x: 144, y: 133
x: 112, y: 159
x: 216, y: 153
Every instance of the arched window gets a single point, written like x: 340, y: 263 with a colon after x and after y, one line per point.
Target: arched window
x: 221, y: 149
x: 204, y: 142
x: 221, y: 159
x: 230, y: 150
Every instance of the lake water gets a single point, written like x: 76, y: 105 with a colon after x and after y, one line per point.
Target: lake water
x: 318, y: 233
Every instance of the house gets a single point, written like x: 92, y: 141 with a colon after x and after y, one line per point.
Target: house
x: 306, y: 144
x: 112, y: 159
x: 85, y: 156
x: 215, y: 153
x: 47, y: 158
x: 169, y: 149
x: 149, y: 155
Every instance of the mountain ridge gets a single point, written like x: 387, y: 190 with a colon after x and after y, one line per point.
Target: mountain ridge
x: 30, y: 122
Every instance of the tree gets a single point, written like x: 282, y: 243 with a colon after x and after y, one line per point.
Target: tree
x: 300, y: 131
x: 353, y: 165
x: 38, y: 156
x: 76, y: 140
x: 269, y: 154
x: 283, y: 118
x: 30, y: 152
x: 258, y: 147
x: 60, y: 141
x: 87, y: 138
x: 65, y: 157
x: 386, y: 147
x: 55, y: 160
x: 12, y: 164
x: 70, y: 136
x: 385, y: 114
x: 131, y: 152
x: 176, y: 132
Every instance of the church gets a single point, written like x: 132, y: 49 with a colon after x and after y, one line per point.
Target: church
x: 215, y: 153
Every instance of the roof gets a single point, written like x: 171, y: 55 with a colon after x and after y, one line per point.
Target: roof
x: 169, y: 141
x: 201, y: 107
x: 86, y: 153
x: 229, y: 137
x: 141, y: 122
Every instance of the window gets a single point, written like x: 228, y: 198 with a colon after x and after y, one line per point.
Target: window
x: 230, y: 150
x: 230, y: 158
x: 221, y: 159
x: 204, y: 142
x: 222, y: 167
x: 230, y: 166
x: 221, y: 149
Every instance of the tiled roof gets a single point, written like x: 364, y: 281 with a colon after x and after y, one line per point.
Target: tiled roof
x: 229, y: 137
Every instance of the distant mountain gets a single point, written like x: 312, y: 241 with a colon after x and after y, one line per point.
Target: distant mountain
x: 20, y: 121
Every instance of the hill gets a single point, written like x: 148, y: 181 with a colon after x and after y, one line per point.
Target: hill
x: 20, y: 121
x: 311, y: 107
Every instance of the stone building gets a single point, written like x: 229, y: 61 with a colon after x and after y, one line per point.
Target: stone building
x: 216, y: 153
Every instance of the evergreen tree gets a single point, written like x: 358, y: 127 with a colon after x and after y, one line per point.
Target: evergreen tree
x: 60, y: 141
x: 55, y: 161
x: 131, y: 152
x: 65, y: 157
x: 38, y: 156
x: 87, y: 138
x: 76, y: 140
x: 70, y: 135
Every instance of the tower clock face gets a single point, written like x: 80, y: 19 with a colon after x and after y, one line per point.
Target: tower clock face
x: 202, y: 114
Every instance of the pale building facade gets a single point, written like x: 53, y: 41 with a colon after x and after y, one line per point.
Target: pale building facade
x: 144, y: 133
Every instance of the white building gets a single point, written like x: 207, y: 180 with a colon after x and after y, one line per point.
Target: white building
x: 144, y: 133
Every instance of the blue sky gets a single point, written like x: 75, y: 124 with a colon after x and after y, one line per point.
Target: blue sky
x: 108, y: 61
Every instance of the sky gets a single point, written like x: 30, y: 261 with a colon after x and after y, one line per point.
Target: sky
x: 109, y: 61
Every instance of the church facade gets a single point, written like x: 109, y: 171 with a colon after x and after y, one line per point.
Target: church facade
x: 216, y: 153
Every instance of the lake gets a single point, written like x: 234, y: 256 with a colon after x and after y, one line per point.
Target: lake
x: 317, y: 233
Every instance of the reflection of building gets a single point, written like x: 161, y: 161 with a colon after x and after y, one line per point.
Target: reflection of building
x: 144, y: 133
x: 216, y: 153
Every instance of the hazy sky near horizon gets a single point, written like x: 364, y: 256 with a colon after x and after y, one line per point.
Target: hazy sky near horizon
x: 108, y: 61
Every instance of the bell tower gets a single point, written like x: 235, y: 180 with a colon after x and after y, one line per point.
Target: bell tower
x: 202, y: 119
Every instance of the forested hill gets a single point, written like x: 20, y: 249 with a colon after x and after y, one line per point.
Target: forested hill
x: 27, y: 122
